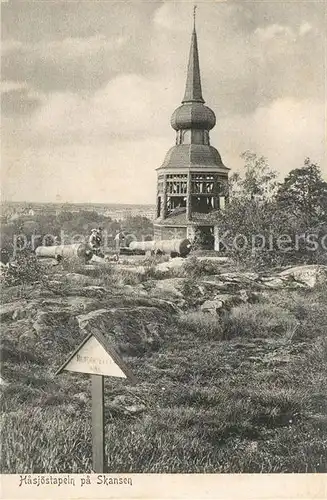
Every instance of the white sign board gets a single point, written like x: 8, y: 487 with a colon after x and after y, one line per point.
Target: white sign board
x: 93, y: 358
x: 96, y: 357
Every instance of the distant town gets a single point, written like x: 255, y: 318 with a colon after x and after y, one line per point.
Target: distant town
x: 11, y: 211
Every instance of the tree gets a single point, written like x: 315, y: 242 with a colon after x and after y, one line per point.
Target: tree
x: 287, y: 228
x: 259, y: 180
x: 138, y: 225
x: 304, y: 194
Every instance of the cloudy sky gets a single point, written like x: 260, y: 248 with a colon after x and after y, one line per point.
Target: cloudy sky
x: 88, y: 89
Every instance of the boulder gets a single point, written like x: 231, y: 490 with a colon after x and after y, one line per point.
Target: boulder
x: 175, y: 263
x: 239, y: 277
x: 227, y: 301
x: 212, y: 306
x: 309, y: 275
x: 171, y: 286
x: 54, y: 283
x: 97, y: 259
x: 277, y: 282
x: 231, y: 282
x: 95, y: 288
x: 137, y: 290
x: 122, y: 403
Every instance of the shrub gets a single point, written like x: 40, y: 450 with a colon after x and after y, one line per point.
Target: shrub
x: 26, y: 269
x: 195, y: 268
x: 190, y: 292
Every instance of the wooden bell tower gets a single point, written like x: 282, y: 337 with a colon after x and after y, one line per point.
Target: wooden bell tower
x: 192, y: 182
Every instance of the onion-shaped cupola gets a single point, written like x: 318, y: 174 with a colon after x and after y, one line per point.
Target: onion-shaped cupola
x: 193, y: 114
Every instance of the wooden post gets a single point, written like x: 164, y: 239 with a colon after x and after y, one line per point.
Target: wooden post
x: 98, y: 443
x: 216, y: 238
x: 189, y: 197
x: 97, y: 357
x: 164, y: 198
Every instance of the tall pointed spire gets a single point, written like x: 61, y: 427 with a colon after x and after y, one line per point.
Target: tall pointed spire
x: 193, y: 91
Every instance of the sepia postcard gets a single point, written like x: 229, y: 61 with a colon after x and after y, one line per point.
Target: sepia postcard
x: 163, y: 249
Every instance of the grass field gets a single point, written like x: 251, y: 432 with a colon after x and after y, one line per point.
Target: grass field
x: 241, y: 392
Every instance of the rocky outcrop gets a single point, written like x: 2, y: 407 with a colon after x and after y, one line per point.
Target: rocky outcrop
x: 175, y: 263
x: 13, y: 310
x: 224, y: 302
x: 229, y: 289
x: 278, y: 282
x: 79, y: 279
x: 131, y: 330
x: 135, y: 318
x: 310, y: 275
x: 170, y: 286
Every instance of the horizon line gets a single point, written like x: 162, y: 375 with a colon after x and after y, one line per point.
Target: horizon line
x: 74, y: 203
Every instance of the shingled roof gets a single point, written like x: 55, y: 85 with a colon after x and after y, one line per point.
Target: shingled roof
x: 193, y: 155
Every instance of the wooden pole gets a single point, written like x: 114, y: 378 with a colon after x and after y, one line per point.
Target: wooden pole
x: 98, y: 444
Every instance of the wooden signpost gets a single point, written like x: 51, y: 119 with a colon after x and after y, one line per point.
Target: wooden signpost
x: 98, y: 358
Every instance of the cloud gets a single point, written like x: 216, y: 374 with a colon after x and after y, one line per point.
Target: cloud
x: 286, y: 132
x: 274, y: 30
x: 18, y: 99
x: 82, y: 63
x: 10, y: 45
x: 305, y: 28
x: 66, y: 49
x: 89, y: 100
x: 9, y: 86
x: 128, y: 106
x: 93, y: 167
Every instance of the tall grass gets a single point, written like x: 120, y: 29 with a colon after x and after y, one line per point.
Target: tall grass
x: 200, y: 430
x: 45, y: 440
x: 207, y: 326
